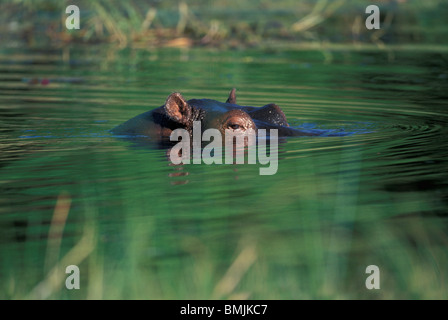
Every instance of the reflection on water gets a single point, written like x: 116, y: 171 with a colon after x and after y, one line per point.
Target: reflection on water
x: 371, y: 189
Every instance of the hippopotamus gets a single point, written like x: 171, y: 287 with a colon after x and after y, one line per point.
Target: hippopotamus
x: 158, y: 124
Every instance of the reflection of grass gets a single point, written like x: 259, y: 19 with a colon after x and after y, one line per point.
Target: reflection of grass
x: 326, y: 259
x: 86, y: 252
x: 55, y: 278
x: 225, y: 24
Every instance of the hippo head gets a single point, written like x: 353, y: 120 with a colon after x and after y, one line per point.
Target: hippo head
x: 212, y: 114
x: 158, y: 124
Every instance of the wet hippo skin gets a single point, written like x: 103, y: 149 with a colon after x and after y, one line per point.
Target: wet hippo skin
x: 157, y: 124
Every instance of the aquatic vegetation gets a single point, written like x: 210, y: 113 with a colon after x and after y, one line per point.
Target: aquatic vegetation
x: 226, y: 24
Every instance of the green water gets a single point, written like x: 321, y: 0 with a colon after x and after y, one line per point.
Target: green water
x: 140, y: 228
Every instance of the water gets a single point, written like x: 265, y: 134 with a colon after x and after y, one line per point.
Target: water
x: 373, y: 191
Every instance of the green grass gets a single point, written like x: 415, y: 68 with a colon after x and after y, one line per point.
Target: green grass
x: 326, y: 260
x: 222, y: 24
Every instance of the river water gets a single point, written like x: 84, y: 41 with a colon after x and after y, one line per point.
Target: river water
x: 374, y: 192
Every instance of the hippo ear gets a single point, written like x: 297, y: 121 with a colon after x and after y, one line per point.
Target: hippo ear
x: 232, y: 97
x: 177, y: 108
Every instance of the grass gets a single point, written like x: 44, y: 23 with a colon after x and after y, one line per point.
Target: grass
x: 409, y: 251
x: 225, y: 24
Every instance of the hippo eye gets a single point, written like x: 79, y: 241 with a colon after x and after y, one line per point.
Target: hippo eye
x: 234, y: 126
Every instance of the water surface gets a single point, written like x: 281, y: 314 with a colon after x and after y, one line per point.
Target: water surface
x: 373, y: 191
